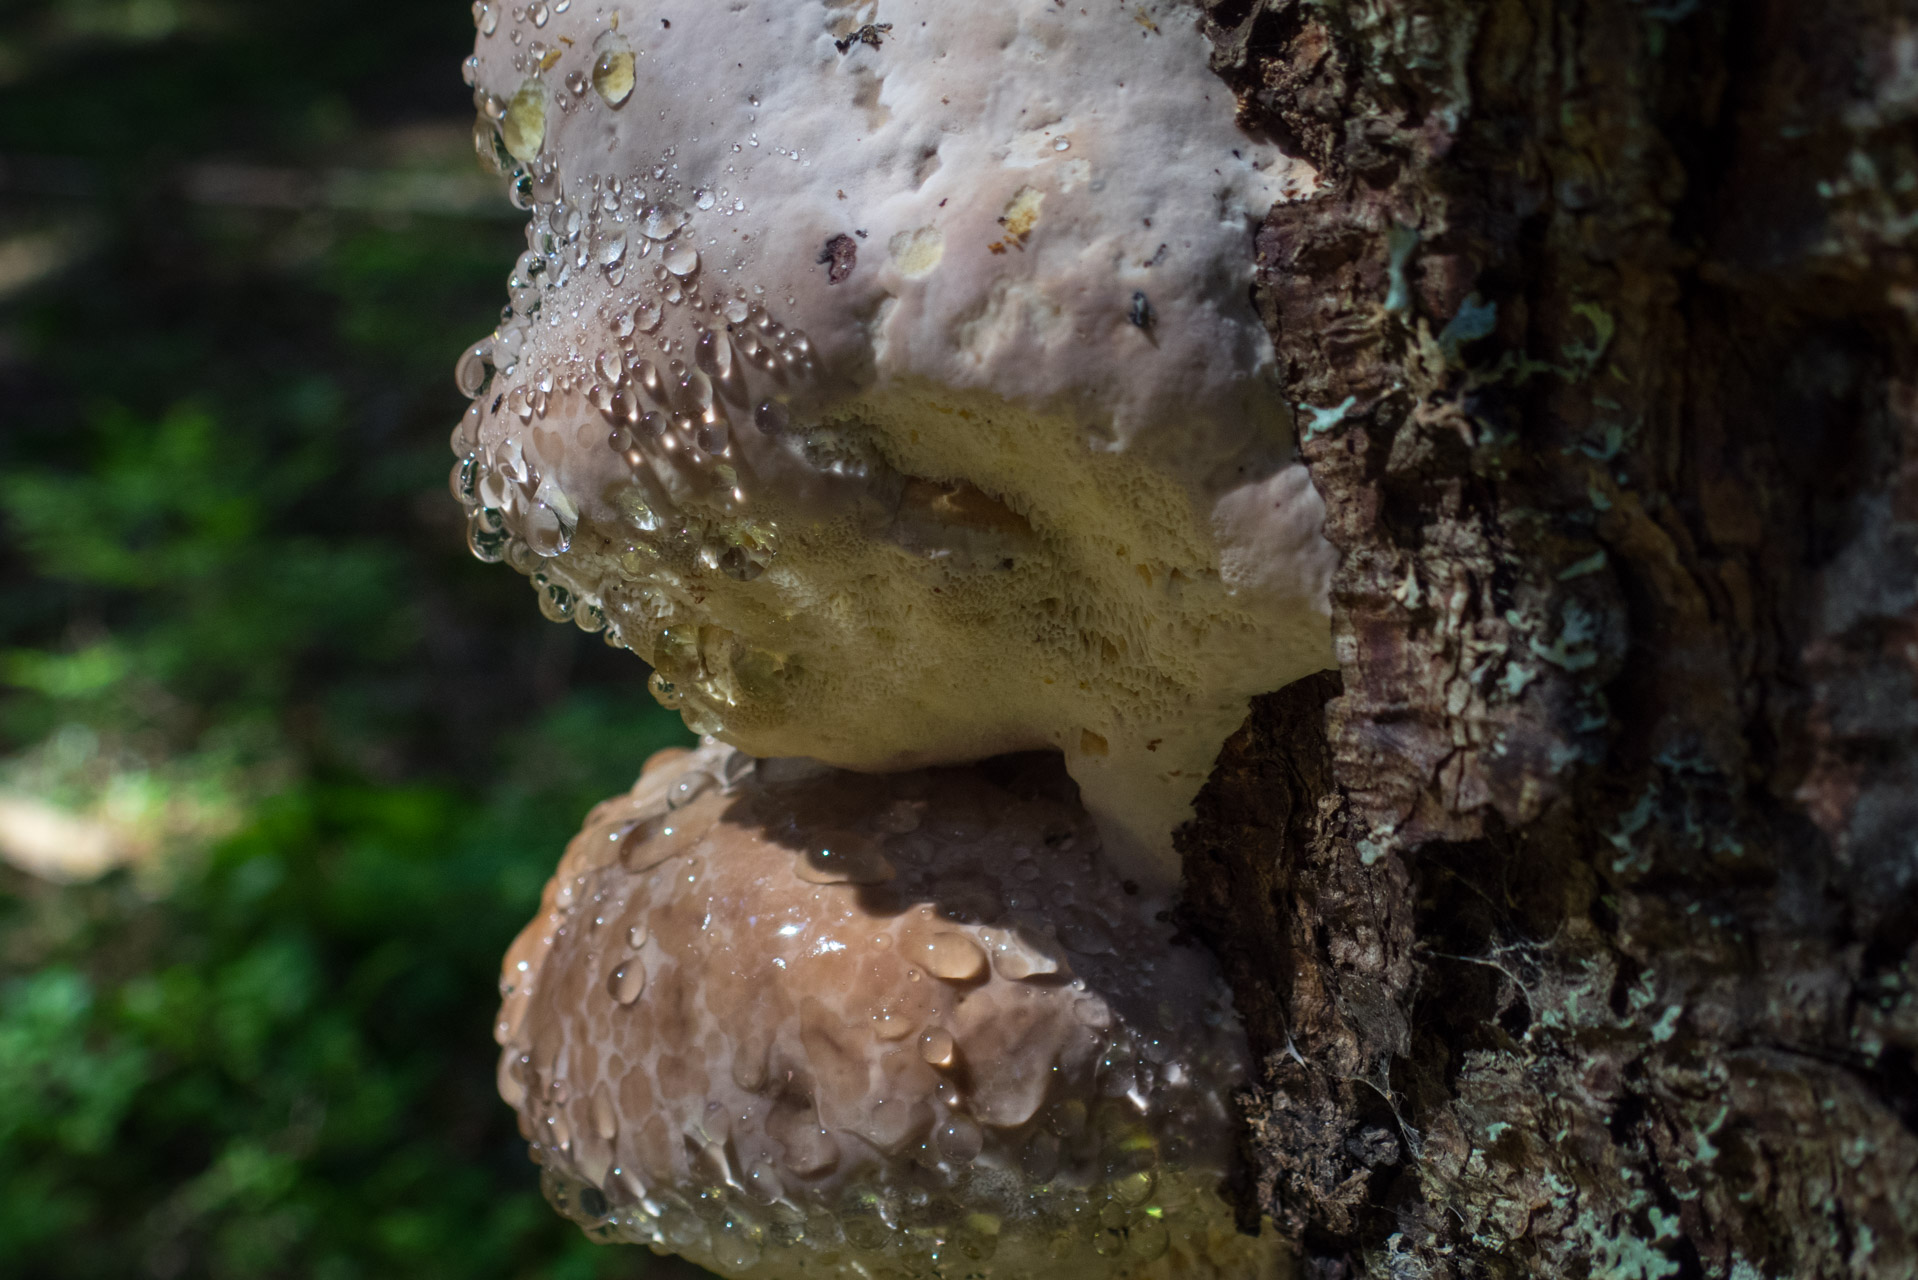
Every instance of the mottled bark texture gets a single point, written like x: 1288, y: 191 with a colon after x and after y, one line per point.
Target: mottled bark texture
x: 1574, y: 920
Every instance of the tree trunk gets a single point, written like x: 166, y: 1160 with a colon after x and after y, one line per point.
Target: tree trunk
x: 1574, y: 918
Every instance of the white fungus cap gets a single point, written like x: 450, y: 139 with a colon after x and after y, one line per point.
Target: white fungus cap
x: 802, y: 1021
x: 887, y: 376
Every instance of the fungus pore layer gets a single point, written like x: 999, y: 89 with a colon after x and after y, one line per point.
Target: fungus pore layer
x: 886, y: 376
x: 859, y: 1025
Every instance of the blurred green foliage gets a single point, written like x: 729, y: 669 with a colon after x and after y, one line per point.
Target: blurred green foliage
x: 238, y: 628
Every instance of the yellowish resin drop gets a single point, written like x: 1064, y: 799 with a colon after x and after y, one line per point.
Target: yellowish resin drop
x: 524, y: 127
x: 613, y: 72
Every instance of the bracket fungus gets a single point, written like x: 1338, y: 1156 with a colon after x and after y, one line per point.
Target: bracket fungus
x: 785, y: 1019
x: 885, y: 373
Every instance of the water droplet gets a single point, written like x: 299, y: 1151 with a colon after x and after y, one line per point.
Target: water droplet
x: 549, y: 535
x: 952, y: 956
x: 1040, y: 1159
x: 605, y: 1117
x: 681, y: 259
x: 900, y: 818
x: 464, y: 482
x: 524, y: 126
x: 576, y: 82
x: 702, y: 199
x: 663, y: 221
x: 647, y: 313
x: 740, y: 566
x: 487, y: 145
x: 555, y: 602
x: 737, y: 1247
x: 1092, y: 1012
x: 469, y: 69
x: 844, y: 857
x: 628, y: 981
x: 1085, y: 933
x: 612, y: 368
x: 613, y: 72
x: 636, y: 936
x: 1063, y: 144
x: 485, y: 17
x: 488, y: 544
x: 611, y: 246
x: 539, y: 13
x: 1147, y: 1237
x: 772, y: 417
x: 474, y: 368
x: 714, y: 354
x: 960, y: 1139
x: 936, y: 1047
x: 763, y: 1184
x: 1135, y: 1187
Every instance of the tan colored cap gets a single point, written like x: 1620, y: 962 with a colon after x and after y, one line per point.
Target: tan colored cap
x: 783, y: 1019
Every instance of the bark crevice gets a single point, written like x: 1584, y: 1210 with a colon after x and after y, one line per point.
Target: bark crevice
x: 1575, y: 920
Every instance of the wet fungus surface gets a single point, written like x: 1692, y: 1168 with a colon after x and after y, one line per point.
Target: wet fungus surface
x: 886, y: 376
x: 783, y: 1019
x: 885, y: 373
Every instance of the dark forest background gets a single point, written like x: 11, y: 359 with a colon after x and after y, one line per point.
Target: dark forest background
x: 245, y: 657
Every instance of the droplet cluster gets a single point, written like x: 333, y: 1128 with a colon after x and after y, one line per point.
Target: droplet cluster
x: 682, y: 376
x: 822, y: 385
x: 903, y: 1026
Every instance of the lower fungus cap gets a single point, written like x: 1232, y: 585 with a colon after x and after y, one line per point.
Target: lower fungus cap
x: 894, y: 388
x: 785, y: 1019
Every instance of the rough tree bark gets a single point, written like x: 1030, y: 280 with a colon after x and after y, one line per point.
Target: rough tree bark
x: 1581, y: 942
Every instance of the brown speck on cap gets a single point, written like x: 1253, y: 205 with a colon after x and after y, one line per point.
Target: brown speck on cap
x: 785, y: 1019
x: 839, y: 256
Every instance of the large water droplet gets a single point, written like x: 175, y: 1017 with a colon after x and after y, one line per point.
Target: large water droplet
x: 610, y: 246
x: 1147, y: 1237
x: 486, y: 541
x: 555, y: 601
x: 464, y: 482
x: 485, y: 17
x: 763, y: 1183
x: 613, y: 71
x: 628, y: 981
x: 937, y: 1047
x: 647, y: 313
x: 844, y: 857
x: 539, y: 13
x: 772, y: 417
x: 547, y: 533
x: 714, y: 354
x: 960, y: 1140
x: 605, y: 1117
x: 487, y: 145
x: 737, y: 1245
x: 663, y: 221
x: 474, y: 368
x: 681, y: 259
x: 952, y: 956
